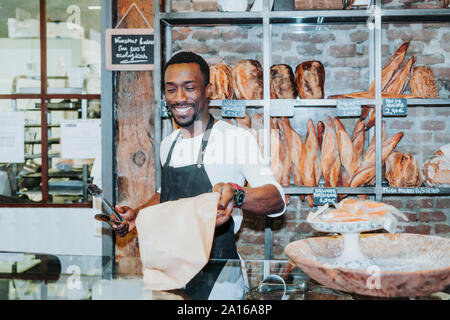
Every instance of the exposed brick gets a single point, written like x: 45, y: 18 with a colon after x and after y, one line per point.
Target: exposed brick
x: 304, y: 227
x: 432, y: 125
x: 416, y: 47
x: 432, y: 216
x: 401, y: 124
x: 442, y: 138
x: 421, y: 229
x: 348, y: 50
x: 234, y: 34
x: 282, y: 46
x: 205, y: 6
x: 359, y: 36
x: 430, y: 59
x: 405, y: 35
x: 412, y: 216
x: 179, y: 34
x: 308, y: 50
x: 352, y: 74
x: 245, y: 47
x: 441, y: 228
x: 206, y: 34
x: 420, y: 111
x: 443, y: 112
x: 181, y: 6
x: 252, y: 237
x: 445, y: 42
x: 296, y: 37
x: 419, y: 203
x: 442, y: 73
x: 418, y: 137
x: 395, y: 203
x: 194, y: 47
x: 443, y: 203
x: 354, y: 62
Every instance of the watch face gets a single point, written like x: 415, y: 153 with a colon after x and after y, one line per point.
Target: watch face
x: 239, y: 198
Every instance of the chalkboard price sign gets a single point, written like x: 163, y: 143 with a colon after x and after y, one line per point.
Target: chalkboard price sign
x: 395, y: 107
x: 233, y: 108
x: 322, y: 196
x: 129, y: 49
x: 348, y: 108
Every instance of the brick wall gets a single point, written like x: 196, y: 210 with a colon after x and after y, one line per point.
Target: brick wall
x: 344, y: 52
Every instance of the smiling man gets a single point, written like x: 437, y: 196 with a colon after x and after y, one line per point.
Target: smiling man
x: 206, y: 155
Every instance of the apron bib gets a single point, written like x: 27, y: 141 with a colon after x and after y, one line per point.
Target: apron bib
x: 190, y: 181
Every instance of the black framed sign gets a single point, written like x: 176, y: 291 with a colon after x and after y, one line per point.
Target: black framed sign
x: 129, y: 49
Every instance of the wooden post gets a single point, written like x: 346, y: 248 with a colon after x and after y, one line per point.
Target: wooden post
x: 135, y: 138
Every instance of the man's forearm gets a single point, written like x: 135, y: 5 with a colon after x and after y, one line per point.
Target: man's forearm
x: 263, y: 200
x: 155, y: 199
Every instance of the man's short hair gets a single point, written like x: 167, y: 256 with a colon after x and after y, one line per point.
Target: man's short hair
x: 189, y: 57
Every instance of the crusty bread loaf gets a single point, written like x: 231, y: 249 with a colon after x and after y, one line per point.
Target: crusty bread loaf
x: 422, y: 83
x: 248, y: 80
x: 282, y: 82
x: 310, y: 80
x: 402, y: 170
x: 221, y: 80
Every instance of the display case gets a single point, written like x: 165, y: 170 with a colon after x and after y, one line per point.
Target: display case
x: 373, y: 43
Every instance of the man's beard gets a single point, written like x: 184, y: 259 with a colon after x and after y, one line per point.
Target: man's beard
x: 191, y: 121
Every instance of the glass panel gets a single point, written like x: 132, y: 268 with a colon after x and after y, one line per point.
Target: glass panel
x: 73, y: 46
x: 70, y: 161
x: 20, y: 44
x: 20, y: 172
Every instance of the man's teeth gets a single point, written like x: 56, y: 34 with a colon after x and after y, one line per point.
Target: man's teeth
x: 183, y: 109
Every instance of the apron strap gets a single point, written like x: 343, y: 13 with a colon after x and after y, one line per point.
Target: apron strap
x: 205, y: 140
x: 169, y: 156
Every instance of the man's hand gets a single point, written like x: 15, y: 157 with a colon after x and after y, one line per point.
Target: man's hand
x: 226, y: 202
x: 129, y: 220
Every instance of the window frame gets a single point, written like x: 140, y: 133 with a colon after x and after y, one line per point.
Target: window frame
x: 45, y: 97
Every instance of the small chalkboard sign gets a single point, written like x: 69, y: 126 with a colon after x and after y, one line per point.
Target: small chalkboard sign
x: 395, y: 107
x: 233, y: 108
x: 129, y: 49
x: 322, y: 196
x: 281, y: 108
x: 348, y: 108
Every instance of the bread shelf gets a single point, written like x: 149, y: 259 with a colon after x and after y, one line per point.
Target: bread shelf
x: 303, y: 17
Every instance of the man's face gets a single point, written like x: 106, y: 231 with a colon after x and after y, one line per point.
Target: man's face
x: 186, y: 93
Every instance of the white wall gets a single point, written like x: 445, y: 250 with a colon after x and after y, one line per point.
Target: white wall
x: 67, y: 231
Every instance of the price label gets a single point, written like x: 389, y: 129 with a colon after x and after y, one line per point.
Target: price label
x: 348, y: 108
x: 322, y: 196
x: 281, y: 108
x: 416, y: 190
x: 233, y: 108
x: 163, y: 110
x: 395, y: 107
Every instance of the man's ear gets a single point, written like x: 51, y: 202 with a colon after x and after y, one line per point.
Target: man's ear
x: 208, y: 89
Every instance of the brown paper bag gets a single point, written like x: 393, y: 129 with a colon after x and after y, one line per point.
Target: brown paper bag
x: 175, y: 240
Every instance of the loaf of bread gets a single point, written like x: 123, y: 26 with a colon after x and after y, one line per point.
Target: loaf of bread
x: 248, y: 80
x: 221, y: 82
x: 310, y: 80
x: 422, y: 83
x: 436, y: 170
x: 282, y: 82
x: 402, y: 170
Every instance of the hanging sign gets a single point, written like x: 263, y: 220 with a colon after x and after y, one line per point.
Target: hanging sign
x: 395, y: 107
x: 233, y: 108
x: 130, y: 49
x: 322, y: 196
x: 348, y: 108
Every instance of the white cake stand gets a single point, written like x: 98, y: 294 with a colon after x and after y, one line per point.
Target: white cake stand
x: 351, y: 255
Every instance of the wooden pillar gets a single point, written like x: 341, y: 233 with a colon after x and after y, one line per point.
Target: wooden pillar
x: 135, y: 138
